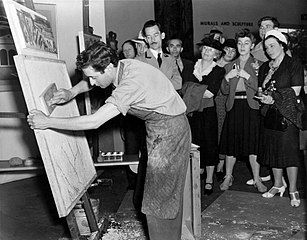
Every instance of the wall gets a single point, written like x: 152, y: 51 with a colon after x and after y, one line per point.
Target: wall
x: 126, y: 17
x: 243, y: 13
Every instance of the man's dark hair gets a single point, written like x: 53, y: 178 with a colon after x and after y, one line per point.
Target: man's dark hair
x: 99, y: 55
x: 266, y: 18
x: 150, y: 23
x: 245, y: 33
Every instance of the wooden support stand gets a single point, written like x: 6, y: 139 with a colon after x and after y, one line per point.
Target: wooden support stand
x: 191, y: 223
x: 96, y: 228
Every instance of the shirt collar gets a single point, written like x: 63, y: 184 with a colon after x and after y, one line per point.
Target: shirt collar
x: 119, y: 73
x: 155, y: 53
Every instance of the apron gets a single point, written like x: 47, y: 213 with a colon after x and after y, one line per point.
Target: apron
x: 168, y: 144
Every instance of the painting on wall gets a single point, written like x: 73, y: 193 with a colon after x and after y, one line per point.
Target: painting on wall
x: 32, y: 32
x: 85, y: 40
x: 49, y: 11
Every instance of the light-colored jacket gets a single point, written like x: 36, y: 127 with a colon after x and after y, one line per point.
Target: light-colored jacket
x: 168, y: 67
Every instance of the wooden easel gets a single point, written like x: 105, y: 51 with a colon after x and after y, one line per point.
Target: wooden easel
x: 96, y: 228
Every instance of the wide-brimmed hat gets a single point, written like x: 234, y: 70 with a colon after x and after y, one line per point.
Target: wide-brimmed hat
x: 207, y: 41
x: 278, y: 34
x: 216, y: 29
x: 230, y: 42
x: 139, y: 39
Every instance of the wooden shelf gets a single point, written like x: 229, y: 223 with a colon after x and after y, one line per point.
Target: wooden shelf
x: 127, y: 160
x: 6, y: 167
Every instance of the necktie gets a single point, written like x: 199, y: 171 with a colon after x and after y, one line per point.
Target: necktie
x: 159, y: 59
x: 178, y: 66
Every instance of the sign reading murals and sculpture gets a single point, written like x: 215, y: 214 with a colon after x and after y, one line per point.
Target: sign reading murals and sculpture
x: 227, y: 23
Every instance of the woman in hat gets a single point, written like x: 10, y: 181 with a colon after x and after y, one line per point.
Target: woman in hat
x: 201, y: 93
x: 281, y: 79
x: 240, y: 134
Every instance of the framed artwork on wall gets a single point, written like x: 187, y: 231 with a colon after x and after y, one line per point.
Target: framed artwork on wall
x: 85, y: 40
x: 31, y: 31
x: 49, y: 11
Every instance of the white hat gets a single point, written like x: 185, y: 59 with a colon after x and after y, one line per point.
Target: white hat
x: 140, y: 38
x: 281, y: 37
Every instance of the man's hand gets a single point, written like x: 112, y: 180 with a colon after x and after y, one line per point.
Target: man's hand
x: 61, y: 96
x: 37, y: 120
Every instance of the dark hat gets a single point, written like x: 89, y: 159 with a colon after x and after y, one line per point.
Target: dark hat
x: 230, y: 42
x: 210, y: 42
x: 216, y: 29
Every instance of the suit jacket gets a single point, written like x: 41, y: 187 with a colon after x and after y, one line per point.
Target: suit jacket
x: 168, y: 67
x: 187, y: 71
x: 251, y: 85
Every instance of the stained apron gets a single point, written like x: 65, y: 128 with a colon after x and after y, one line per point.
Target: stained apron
x: 168, y: 143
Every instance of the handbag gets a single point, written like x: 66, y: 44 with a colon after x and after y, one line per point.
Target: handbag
x: 274, y: 120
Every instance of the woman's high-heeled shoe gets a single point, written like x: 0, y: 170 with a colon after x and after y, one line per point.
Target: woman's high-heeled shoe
x: 228, y: 179
x: 208, y: 191
x: 295, y: 199
x: 274, y: 190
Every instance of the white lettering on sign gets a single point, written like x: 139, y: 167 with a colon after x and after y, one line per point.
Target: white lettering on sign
x: 210, y: 23
x: 227, y: 23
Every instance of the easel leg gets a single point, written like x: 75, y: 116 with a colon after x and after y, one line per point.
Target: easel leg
x: 72, y: 225
x: 191, y: 224
x: 89, y: 213
x: 95, y: 230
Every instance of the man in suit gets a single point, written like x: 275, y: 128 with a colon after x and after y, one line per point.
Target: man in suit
x: 185, y: 66
x: 155, y: 56
x: 167, y: 64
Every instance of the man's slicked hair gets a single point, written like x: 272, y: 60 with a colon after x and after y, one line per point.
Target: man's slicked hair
x: 150, y: 23
x: 99, y: 55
